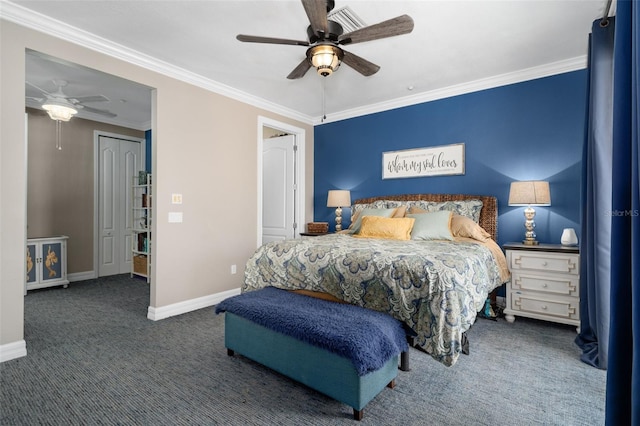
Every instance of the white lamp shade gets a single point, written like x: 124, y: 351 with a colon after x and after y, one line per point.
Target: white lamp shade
x: 529, y: 193
x: 339, y: 198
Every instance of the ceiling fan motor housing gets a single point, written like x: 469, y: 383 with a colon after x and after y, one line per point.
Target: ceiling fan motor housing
x: 335, y: 31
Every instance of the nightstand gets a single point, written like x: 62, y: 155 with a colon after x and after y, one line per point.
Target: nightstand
x: 545, y: 283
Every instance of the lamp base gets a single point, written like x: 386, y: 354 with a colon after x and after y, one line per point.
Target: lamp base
x: 530, y: 242
x: 339, y: 219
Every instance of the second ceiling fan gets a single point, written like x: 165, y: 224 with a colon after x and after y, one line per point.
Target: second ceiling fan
x: 326, y: 37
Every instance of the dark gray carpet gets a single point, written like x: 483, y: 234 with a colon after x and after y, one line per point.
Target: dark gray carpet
x: 94, y: 358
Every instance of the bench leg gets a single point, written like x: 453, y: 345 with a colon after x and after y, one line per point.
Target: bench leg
x: 391, y: 384
x: 404, y: 356
x: 357, y: 414
x: 404, y: 361
x: 230, y: 352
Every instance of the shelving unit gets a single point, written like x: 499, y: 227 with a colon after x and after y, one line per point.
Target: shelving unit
x: 142, y: 220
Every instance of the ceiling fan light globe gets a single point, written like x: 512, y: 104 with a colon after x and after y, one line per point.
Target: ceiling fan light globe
x: 325, y: 58
x: 59, y: 112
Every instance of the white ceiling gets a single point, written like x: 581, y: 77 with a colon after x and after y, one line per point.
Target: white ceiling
x: 455, y: 47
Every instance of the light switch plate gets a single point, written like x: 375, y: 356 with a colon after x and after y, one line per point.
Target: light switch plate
x: 175, y: 217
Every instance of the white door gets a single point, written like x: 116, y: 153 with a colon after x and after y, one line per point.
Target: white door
x: 118, y: 162
x: 278, y: 188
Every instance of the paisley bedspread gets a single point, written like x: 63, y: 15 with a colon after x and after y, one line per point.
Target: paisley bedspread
x: 435, y: 287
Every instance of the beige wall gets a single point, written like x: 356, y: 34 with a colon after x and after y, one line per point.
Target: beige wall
x: 60, y: 183
x: 205, y: 147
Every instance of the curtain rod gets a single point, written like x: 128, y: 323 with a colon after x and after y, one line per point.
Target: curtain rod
x: 605, y: 19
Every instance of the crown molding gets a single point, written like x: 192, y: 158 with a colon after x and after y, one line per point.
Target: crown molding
x: 527, y: 74
x: 44, y: 24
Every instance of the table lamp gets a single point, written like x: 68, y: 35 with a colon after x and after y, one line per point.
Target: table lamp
x: 529, y: 193
x: 339, y: 198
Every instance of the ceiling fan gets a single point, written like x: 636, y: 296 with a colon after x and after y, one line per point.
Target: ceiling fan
x: 61, y: 107
x: 326, y: 37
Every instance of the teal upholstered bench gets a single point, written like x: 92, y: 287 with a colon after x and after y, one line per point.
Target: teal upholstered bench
x: 300, y: 357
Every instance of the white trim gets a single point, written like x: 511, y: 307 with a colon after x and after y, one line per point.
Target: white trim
x: 81, y: 276
x: 533, y: 73
x: 13, y: 350
x: 179, y: 308
x: 299, y: 134
x: 42, y: 23
x: 26, y: 191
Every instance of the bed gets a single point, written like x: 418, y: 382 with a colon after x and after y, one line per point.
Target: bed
x: 434, y: 285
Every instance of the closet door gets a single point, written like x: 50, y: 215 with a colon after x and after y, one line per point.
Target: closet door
x: 119, y: 161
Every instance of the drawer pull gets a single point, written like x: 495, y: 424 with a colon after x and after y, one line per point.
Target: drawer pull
x: 544, y: 263
x: 544, y: 307
x: 544, y: 285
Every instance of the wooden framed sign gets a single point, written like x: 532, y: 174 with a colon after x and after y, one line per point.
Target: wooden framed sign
x: 432, y: 161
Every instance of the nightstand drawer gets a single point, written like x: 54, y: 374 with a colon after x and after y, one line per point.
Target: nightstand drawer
x: 556, y: 262
x: 554, y: 284
x: 566, y: 308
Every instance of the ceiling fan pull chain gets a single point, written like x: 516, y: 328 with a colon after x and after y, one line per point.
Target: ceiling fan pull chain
x: 324, y: 102
x: 59, y: 135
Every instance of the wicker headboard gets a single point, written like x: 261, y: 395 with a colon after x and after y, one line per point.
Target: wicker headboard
x: 488, y: 214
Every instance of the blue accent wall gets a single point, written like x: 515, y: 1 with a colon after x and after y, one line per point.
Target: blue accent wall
x: 532, y: 130
x: 147, y: 138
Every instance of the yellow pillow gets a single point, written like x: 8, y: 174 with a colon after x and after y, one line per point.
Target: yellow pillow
x: 391, y: 212
x: 386, y: 227
x: 462, y: 226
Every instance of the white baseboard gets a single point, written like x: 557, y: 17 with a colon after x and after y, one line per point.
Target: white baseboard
x: 179, y: 308
x: 13, y: 350
x: 81, y: 276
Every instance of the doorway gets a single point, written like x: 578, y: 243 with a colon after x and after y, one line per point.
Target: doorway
x: 279, y: 188
x: 118, y: 160
x: 296, y: 171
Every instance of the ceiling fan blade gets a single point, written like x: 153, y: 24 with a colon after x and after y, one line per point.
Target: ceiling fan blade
x: 94, y: 98
x: 36, y: 87
x: 317, y: 13
x: 270, y: 40
x: 99, y: 111
x: 393, y: 27
x: 359, y: 64
x: 300, y: 70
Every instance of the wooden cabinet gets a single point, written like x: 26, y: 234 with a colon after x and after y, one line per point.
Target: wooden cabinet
x: 141, y: 227
x: 46, y: 262
x: 545, y: 283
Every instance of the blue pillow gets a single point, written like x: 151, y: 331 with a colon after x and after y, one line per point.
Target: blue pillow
x: 432, y: 226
